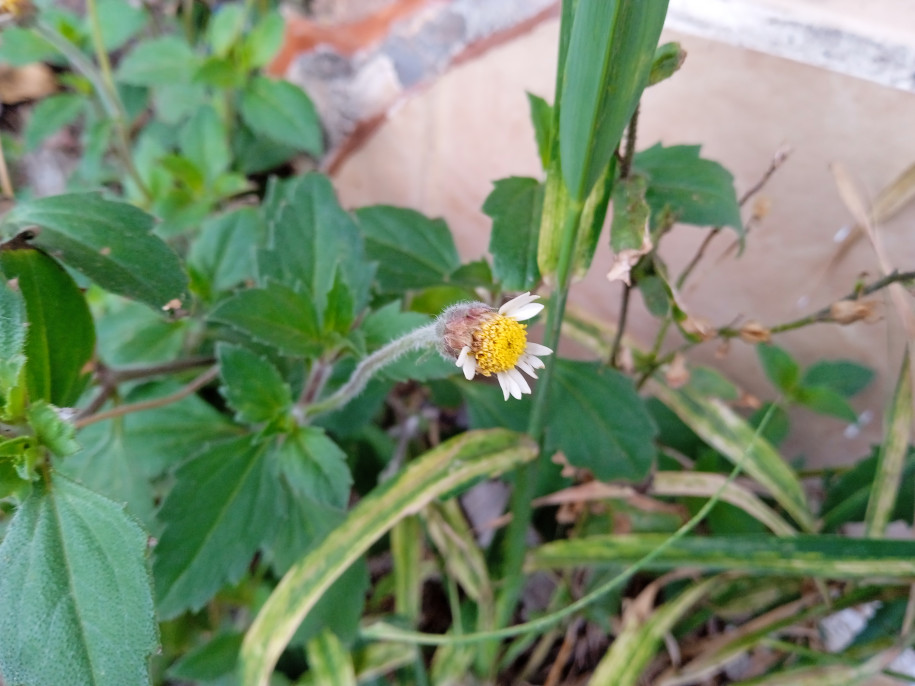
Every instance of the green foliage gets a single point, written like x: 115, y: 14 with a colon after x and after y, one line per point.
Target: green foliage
x: 696, y: 190
x: 514, y: 206
x: 74, y: 556
x: 226, y: 406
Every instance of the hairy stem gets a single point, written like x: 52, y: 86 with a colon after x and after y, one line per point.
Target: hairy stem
x: 419, y: 338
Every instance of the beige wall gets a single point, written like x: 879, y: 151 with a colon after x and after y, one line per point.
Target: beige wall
x: 440, y: 151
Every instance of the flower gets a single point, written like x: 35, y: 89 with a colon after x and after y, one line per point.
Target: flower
x: 483, y: 340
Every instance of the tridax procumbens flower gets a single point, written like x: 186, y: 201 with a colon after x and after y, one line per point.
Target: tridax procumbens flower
x: 483, y: 340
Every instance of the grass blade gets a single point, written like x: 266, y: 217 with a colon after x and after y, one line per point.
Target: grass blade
x: 453, y: 464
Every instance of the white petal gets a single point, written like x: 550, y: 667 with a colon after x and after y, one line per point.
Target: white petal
x: 503, y: 382
x: 512, y: 385
x: 524, y: 366
x: 526, y: 312
x: 517, y: 303
x: 534, y: 362
x: 537, y: 349
x: 470, y: 368
x: 521, y: 382
x: 462, y: 358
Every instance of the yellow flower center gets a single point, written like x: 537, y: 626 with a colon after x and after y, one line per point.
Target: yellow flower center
x: 498, y: 344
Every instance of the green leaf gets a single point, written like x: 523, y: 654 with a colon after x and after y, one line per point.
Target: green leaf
x: 514, y: 206
x: 656, y: 294
x: 13, y: 326
x: 158, y: 62
x: 780, y: 368
x: 283, y: 112
x: 146, y: 444
x: 75, y: 592
x: 177, y: 101
x: 710, y: 382
x: 843, y: 376
x: 487, y: 408
x: 696, y: 190
x: 222, y: 256
x: 205, y: 142
x: 312, y: 240
x: 730, y: 435
x: 329, y: 662
x: 542, y: 119
x: 452, y: 464
x: 51, y: 115
x: 315, y: 467
x: 412, y: 250
x: 599, y: 422
x: 225, y: 28
x: 823, y: 556
x: 51, y: 431
x: 630, y: 214
x: 892, y: 454
x: 131, y: 333
x: 109, y: 242
x: 265, y: 39
x: 213, y: 660
x: 23, y: 46
x: 251, y: 385
x: 219, y: 511
x: 668, y: 59
x: 276, y: 315
x: 611, y: 49
x: 825, y: 401
x: 61, y: 336
x: 119, y: 22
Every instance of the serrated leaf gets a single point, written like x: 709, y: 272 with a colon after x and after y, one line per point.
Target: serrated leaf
x: 222, y: 256
x: 312, y: 240
x: 13, y: 325
x: 514, y: 206
x: 110, y: 242
x: 452, y: 464
x: 61, y: 336
x: 131, y: 333
x: 611, y: 49
x: 283, y: 112
x: 843, y: 376
x: 781, y: 369
x: 276, y: 315
x: 146, y: 444
x: 696, y: 190
x: 50, y: 115
x: 164, y: 61
x: 542, y: 119
x: 75, y: 598
x: 252, y: 385
x: 220, y: 509
x: 412, y: 250
x: 315, y: 467
x: 599, y: 422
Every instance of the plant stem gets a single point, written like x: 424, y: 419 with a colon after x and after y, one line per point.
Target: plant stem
x: 121, y: 410
x: 103, y: 84
x: 618, y: 338
x: 526, y: 475
x: 419, y: 338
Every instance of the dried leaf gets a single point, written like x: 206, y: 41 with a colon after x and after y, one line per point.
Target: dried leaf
x: 625, y: 260
x: 755, y: 332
